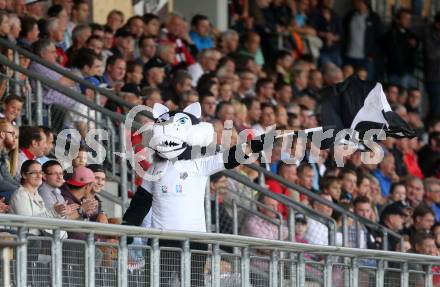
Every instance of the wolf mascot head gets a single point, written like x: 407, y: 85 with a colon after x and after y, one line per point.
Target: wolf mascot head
x: 176, y: 133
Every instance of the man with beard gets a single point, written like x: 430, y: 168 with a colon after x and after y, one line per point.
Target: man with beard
x: 9, y: 184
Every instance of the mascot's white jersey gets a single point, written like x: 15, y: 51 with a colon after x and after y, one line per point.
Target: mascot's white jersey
x: 179, y: 194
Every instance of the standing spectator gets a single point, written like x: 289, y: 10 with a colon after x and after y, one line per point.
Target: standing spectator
x: 200, y: 29
x: 8, y: 183
x: 29, y: 32
x: 32, y: 142
x: 362, y: 35
x: 317, y: 232
x: 432, y: 65
x: 329, y: 29
x: 401, y: 48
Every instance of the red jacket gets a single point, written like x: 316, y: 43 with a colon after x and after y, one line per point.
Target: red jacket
x: 276, y: 187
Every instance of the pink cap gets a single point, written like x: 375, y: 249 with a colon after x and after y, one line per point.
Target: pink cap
x: 81, y: 176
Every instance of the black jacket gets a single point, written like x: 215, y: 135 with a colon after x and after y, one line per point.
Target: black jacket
x: 401, y: 56
x: 373, y: 33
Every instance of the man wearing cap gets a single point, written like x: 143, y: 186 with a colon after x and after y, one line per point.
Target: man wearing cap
x: 154, y: 73
x: 78, y: 186
x: 35, y: 8
x: 392, y: 217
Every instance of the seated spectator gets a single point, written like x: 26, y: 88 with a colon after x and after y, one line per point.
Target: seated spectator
x: 305, y: 173
x: 115, y: 72
x: 432, y: 196
x: 124, y: 45
x: 154, y: 73
x: 429, y: 155
x: 32, y: 143
x: 133, y: 74
x: 414, y: 190
x: 147, y: 49
x: 207, y: 61
x: 80, y: 35
x: 49, y: 144
x: 393, y: 217
x: 12, y: 107
x: 55, y: 32
x: 423, y: 222
x: 386, y: 174
x: 332, y: 185
x: 397, y: 192
x: 8, y: 183
x: 151, y: 25
x: 348, y: 182
x: 26, y: 200
x: 200, y: 29
x: 29, y: 32
x: 368, y: 238
x: 251, y: 48
x: 150, y: 96
x: 317, y: 232
x: 81, y: 158
x: 50, y: 190
x: 79, y: 187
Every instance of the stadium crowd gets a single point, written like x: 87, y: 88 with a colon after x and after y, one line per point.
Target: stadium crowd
x: 267, y: 69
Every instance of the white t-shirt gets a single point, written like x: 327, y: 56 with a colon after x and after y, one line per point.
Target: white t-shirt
x: 179, y: 193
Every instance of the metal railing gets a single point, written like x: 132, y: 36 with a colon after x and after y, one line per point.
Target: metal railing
x: 44, y: 261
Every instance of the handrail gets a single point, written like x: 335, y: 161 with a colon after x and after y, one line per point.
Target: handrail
x: 321, y: 200
x: 224, y: 239
x: 112, y: 96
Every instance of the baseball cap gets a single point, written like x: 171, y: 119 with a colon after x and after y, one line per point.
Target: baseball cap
x: 81, y: 177
x: 155, y: 62
x: 395, y: 208
x: 300, y: 218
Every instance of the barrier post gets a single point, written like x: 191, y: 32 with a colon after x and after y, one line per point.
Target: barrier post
x: 90, y: 260
x: 22, y: 259
x: 123, y: 261
x: 186, y: 264
x: 57, y: 270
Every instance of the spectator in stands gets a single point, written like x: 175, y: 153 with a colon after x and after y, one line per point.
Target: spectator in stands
x: 49, y: 144
x: 386, y: 174
x: 81, y: 157
x: 124, y: 44
x: 228, y: 42
x: 368, y: 238
x: 414, y: 190
x: 392, y: 217
x: 329, y: 29
x: 267, y: 119
x: 151, y: 25
x: 251, y: 48
x: 29, y: 32
x: 332, y: 74
x: 200, y: 29
x: 429, y: 155
x: 154, y: 73
x: 332, y: 185
x: 317, y: 232
x: 15, y: 29
x: 79, y: 186
x: 431, y: 54
x: 133, y: 75
x: 5, y: 26
x: 100, y: 177
x: 401, y: 48
x: 147, y: 49
x: 305, y: 175
x: 80, y: 34
x: 150, y: 96
x: 135, y: 26
x: 173, y: 33
x: 398, y: 192
x: 12, y: 107
x: 181, y: 83
x: 425, y: 244
x: 8, y: 183
x: 60, y: 13
x: 115, y: 20
x: 50, y: 190
x: 247, y: 82
x: 35, y: 9
x: 79, y: 15
x: 432, y: 196
x: 55, y: 32
x: 348, y: 182
x: 423, y: 222
x: 207, y: 61
x: 300, y: 228
x: 32, y: 143
x: 96, y: 44
x: 26, y: 200
x: 362, y: 35
x: 115, y: 72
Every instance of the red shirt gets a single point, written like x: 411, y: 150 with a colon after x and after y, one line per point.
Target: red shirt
x: 28, y: 153
x: 412, y: 165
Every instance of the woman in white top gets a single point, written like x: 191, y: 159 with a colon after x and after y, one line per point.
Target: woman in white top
x: 26, y: 199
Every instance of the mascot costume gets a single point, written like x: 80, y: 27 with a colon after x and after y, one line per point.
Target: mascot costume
x: 176, y: 197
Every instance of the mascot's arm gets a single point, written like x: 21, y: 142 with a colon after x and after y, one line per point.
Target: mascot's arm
x: 139, y: 207
x: 256, y: 145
